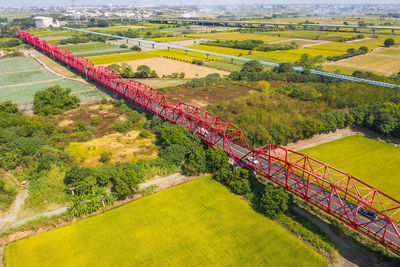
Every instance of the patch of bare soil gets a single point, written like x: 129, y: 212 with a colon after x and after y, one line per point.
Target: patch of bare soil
x: 165, y: 66
x: 209, y: 94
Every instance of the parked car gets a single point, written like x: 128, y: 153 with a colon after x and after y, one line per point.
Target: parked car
x: 368, y: 213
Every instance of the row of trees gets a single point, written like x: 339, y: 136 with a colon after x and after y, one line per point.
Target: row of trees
x: 209, y: 79
x: 126, y: 71
x: 84, y: 39
x: 245, y: 44
x: 351, y: 52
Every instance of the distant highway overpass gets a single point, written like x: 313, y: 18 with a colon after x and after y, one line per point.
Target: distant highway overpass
x: 255, y: 24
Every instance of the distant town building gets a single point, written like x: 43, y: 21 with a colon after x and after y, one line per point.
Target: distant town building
x: 45, y: 22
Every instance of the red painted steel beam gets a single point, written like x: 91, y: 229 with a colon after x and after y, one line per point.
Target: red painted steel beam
x: 333, y: 191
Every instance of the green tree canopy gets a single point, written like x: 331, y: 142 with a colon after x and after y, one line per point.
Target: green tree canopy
x: 275, y: 201
x: 54, y: 100
x: 252, y: 66
x: 388, y: 42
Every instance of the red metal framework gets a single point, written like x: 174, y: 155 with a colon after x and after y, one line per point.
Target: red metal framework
x: 333, y: 191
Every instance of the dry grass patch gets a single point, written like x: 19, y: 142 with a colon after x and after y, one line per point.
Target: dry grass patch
x: 57, y: 67
x: 372, y: 62
x: 209, y: 94
x: 393, y: 51
x: 128, y: 147
x: 86, y: 112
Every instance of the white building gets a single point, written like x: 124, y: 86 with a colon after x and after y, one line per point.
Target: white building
x: 45, y: 22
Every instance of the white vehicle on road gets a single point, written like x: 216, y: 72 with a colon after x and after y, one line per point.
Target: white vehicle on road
x: 251, y: 159
x: 204, y: 132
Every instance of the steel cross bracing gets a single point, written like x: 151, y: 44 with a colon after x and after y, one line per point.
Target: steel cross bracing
x: 335, y: 192
x: 317, y: 72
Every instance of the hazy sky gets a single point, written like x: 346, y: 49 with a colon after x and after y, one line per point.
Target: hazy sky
x: 6, y: 3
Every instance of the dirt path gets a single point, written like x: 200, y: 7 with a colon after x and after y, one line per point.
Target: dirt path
x: 313, y: 42
x: 340, y: 133
x: 321, y: 138
x: 358, y: 40
x: 11, y: 220
x: 20, y: 84
x: 12, y: 72
x: 12, y: 215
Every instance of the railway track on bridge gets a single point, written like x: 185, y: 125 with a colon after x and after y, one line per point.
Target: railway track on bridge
x: 333, y: 191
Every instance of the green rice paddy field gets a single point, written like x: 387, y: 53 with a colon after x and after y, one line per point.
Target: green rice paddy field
x: 371, y: 161
x: 21, y: 78
x: 120, y: 57
x: 87, y: 47
x: 199, y: 223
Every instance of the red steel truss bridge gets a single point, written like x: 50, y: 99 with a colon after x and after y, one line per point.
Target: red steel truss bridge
x: 335, y: 192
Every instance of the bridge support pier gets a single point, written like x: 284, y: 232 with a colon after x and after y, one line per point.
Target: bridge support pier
x: 153, y: 45
x: 139, y: 43
x: 373, y: 31
x: 168, y: 48
x: 208, y: 56
x: 232, y: 60
x: 392, y: 32
x: 127, y: 41
x: 186, y: 52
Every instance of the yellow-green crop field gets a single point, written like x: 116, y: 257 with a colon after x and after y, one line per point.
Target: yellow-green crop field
x: 222, y: 50
x: 374, y: 162
x: 199, y: 223
x: 120, y: 57
x: 170, y: 39
x: 179, y: 54
x: 315, y: 35
x: 238, y: 36
x: 342, y: 47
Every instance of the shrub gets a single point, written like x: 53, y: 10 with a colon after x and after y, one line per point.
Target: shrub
x: 196, y: 83
x: 388, y: 42
x: 136, y: 48
x: 105, y: 156
x: 82, y: 132
x: 145, y: 133
x: 54, y: 100
x: 143, y: 71
x: 123, y: 46
x: 364, y: 49
x: 96, y: 120
x: 252, y: 66
x: 213, y: 78
x: 121, y: 126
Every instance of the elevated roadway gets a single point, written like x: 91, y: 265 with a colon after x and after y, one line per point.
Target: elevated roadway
x: 255, y: 24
